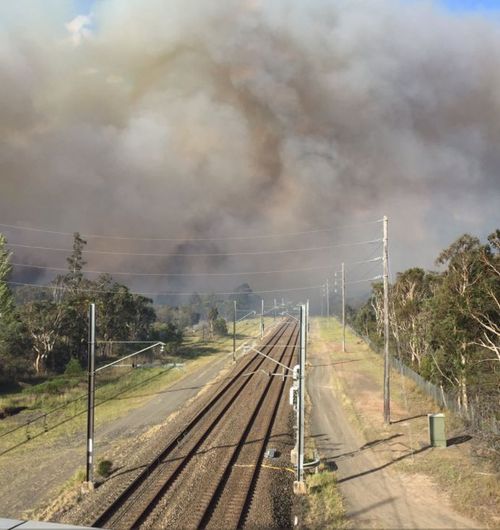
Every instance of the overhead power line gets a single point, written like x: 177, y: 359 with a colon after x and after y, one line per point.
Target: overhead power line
x: 185, y: 240
x: 199, y: 255
x: 379, y: 277
x: 372, y: 270
x: 365, y: 261
x: 145, y: 293
x: 201, y: 274
x: 165, y: 274
x: 372, y: 260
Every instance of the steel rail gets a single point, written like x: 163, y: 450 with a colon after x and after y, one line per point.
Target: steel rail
x: 144, y: 517
x: 269, y: 403
x: 134, y: 485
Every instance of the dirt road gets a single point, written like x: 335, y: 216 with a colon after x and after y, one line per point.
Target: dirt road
x: 376, y: 495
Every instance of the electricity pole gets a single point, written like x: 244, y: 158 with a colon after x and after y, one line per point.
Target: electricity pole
x: 387, y: 390
x: 262, y: 320
x: 307, y: 331
x: 335, y: 291
x: 300, y: 404
x: 343, y: 307
x: 322, y: 295
x: 90, y: 397
x: 234, y: 330
x: 327, y: 300
x: 274, y: 307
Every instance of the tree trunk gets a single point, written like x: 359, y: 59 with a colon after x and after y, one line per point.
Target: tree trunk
x: 463, y: 385
x: 40, y: 363
x: 37, y: 364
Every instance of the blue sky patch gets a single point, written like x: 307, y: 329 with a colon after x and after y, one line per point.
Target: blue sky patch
x: 471, y: 5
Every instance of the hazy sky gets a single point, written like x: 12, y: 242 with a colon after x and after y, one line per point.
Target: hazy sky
x: 85, y: 6
x: 209, y: 119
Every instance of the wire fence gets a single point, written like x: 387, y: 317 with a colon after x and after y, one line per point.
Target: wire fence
x: 478, y: 415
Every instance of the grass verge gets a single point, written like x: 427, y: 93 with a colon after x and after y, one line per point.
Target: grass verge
x: 323, y: 506
x: 48, y: 416
x: 63, y: 431
x: 70, y: 493
x: 470, y: 482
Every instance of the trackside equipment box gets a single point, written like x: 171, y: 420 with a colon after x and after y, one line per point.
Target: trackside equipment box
x: 437, y: 432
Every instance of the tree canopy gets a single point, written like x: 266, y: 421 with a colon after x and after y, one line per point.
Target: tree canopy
x: 446, y: 325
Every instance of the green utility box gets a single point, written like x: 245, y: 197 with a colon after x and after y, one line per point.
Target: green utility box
x: 437, y: 431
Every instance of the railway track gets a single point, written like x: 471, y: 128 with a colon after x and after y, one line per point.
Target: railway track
x: 137, y: 503
x: 228, y: 504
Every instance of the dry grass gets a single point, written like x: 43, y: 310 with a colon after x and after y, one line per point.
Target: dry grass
x: 118, y: 392
x: 69, y: 495
x: 323, y: 506
x: 471, y: 485
x: 470, y: 482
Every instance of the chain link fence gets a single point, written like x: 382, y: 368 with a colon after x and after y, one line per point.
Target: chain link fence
x: 480, y: 415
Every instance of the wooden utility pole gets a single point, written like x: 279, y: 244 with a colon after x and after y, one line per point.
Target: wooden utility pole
x: 387, y: 368
x: 307, y: 330
x: 335, y: 292
x: 343, y: 307
x: 327, y: 300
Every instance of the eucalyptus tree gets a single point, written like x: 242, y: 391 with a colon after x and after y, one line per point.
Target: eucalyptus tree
x: 43, y: 322
x: 454, y: 330
x: 6, y: 298
x: 485, y: 310
x: 411, y: 314
x: 10, y: 345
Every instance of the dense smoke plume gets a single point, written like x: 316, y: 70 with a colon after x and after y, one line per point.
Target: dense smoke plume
x: 214, y: 118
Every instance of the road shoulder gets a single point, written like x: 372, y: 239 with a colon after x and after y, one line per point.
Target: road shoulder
x: 376, y: 491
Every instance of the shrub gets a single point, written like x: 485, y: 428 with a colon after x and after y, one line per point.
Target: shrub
x: 54, y: 386
x: 80, y: 475
x: 73, y: 367
x: 104, y: 468
x: 57, y: 385
x: 220, y: 327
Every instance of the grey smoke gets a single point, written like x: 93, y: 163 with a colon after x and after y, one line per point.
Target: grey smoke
x: 212, y: 118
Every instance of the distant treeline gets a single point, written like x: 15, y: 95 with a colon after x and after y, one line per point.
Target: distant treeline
x: 43, y: 329
x: 446, y: 325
